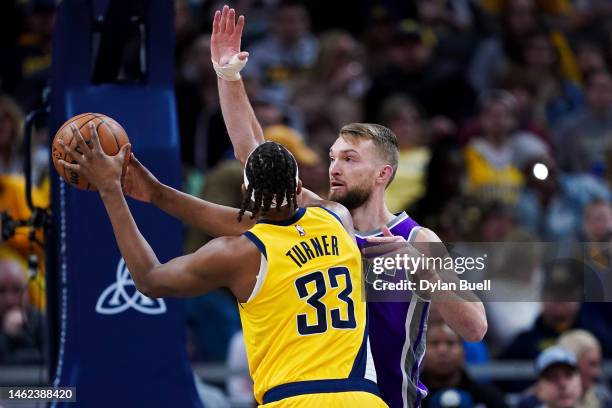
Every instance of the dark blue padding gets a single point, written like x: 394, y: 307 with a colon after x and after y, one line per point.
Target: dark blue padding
x: 289, y: 221
x: 283, y: 391
x: 91, y: 349
x: 254, y: 239
x: 334, y: 214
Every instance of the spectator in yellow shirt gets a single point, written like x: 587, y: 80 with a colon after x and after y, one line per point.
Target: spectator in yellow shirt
x: 491, y: 173
x: 402, y: 116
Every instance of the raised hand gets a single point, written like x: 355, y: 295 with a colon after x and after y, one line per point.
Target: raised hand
x: 226, y: 36
x: 93, y: 163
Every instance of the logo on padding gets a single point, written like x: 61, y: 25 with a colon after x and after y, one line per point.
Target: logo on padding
x: 123, y: 295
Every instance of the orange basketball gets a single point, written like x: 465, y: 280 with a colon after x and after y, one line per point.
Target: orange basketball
x: 112, y: 137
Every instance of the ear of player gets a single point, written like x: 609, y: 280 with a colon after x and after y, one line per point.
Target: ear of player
x: 76, y: 142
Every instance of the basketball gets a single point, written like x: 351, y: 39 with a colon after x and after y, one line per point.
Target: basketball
x: 112, y: 137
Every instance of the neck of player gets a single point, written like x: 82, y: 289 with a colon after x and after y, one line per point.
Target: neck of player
x: 372, y: 214
x: 275, y: 214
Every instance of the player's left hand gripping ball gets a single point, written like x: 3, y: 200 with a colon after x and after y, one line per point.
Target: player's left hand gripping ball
x: 90, y: 166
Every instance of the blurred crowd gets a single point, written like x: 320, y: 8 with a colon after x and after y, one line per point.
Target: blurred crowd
x: 503, y: 113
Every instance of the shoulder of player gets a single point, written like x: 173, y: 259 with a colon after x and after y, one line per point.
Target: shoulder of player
x: 342, y: 213
x: 339, y: 210
x: 235, y: 244
x: 308, y: 198
x: 426, y: 235
x: 231, y: 250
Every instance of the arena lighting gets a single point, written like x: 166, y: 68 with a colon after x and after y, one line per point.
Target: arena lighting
x: 540, y: 171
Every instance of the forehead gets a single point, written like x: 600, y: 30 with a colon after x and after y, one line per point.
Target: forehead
x: 553, y: 372
x: 362, y: 146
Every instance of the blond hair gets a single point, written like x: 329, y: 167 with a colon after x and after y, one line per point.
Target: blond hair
x: 578, y: 342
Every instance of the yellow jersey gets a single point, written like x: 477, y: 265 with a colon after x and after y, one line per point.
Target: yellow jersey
x: 304, y: 324
x: 490, y: 183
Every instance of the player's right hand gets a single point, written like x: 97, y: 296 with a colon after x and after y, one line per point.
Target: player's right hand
x: 139, y: 183
x: 226, y: 36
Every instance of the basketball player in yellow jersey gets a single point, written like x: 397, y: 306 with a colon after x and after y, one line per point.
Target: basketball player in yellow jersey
x: 296, y: 275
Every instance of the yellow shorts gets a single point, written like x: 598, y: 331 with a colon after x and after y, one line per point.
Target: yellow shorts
x: 348, y: 399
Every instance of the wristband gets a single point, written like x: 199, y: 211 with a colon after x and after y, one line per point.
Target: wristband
x: 231, y: 70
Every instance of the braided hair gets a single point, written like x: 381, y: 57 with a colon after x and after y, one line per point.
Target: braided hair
x: 270, y: 173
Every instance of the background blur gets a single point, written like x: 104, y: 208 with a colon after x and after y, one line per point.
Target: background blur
x: 503, y: 111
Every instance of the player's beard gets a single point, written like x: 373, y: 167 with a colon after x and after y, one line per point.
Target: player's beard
x: 352, y: 199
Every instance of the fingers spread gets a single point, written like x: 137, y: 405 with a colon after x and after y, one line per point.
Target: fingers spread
x: 231, y: 21
x: 82, y: 147
x: 223, y: 22
x: 74, y: 167
x: 216, y: 20
x: 239, y: 26
x: 76, y: 156
x: 95, y: 139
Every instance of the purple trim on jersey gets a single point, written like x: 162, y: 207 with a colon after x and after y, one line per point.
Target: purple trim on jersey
x: 388, y: 328
x: 423, y: 391
x: 418, y: 339
x: 401, y: 225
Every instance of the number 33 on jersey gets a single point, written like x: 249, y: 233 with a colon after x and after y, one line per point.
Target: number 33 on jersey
x: 308, y: 297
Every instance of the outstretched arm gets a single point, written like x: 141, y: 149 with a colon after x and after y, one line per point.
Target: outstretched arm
x: 213, y: 219
x: 245, y: 133
x: 244, y: 130
x: 242, y: 125
x: 212, y: 266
